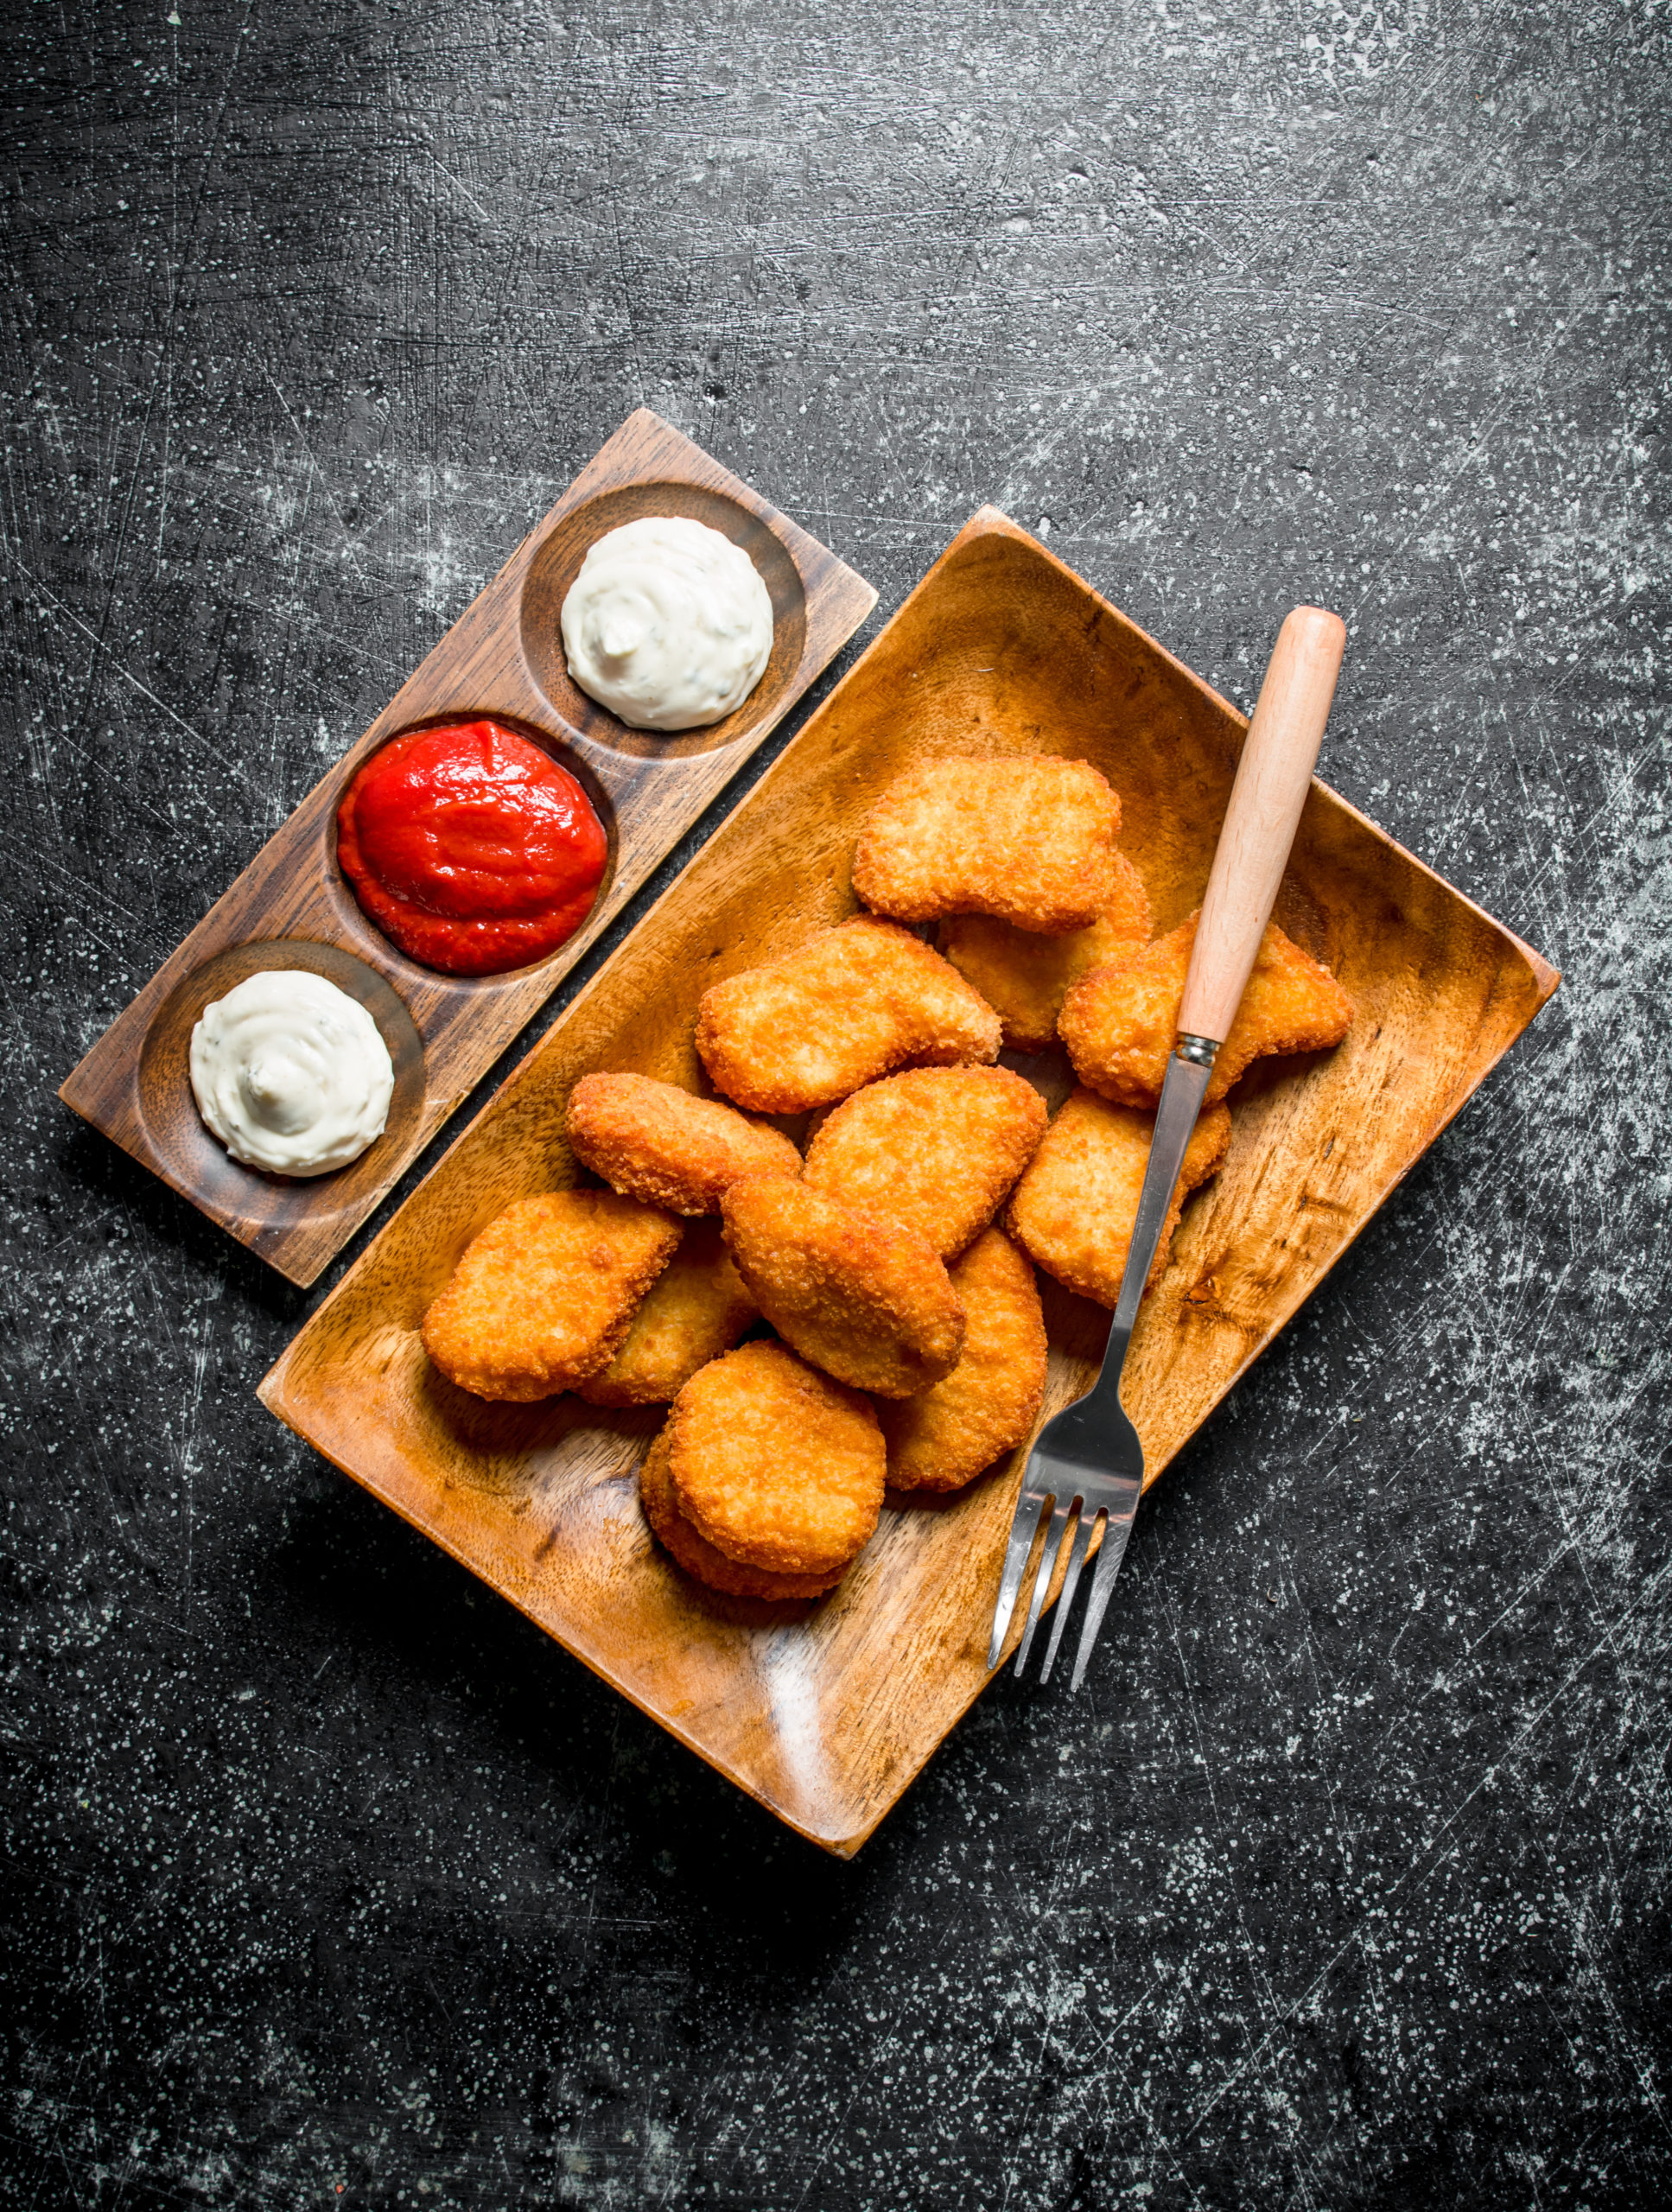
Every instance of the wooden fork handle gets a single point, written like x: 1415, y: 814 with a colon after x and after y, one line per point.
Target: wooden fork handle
x: 1273, y: 778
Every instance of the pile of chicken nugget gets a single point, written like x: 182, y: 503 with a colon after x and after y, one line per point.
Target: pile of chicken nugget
x: 909, y: 1347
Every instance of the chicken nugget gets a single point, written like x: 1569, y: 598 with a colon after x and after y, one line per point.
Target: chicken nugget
x: 1073, y: 1211
x: 868, y: 1302
x: 695, y: 1554
x: 845, y: 1008
x: 944, y: 1438
x: 1024, y: 978
x: 1119, y: 1021
x: 654, y: 1142
x: 696, y: 1309
x: 544, y: 1296
x: 1029, y: 841
x: 777, y: 1466
x: 935, y: 1149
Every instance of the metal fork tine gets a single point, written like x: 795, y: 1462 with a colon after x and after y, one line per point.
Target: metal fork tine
x: 1049, y: 1554
x: 1083, y: 1528
x: 1028, y: 1509
x: 1103, y: 1581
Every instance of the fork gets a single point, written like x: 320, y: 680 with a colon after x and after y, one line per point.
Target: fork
x: 1087, y: 1463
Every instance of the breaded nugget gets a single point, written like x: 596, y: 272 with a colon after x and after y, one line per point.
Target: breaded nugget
x: 935, y: 1149
x: 944, y: 1438
x: 845, y: 1008
x: 775, y: 1466
x: 695, y: 1554
x: 654, y: 1142
x: 1119, y: 1022
x: 1073, y: 1211
x: 1028, y: 840
x: 1024, y: 978
x: 544, y: 1296
x: 696, y: 1309
x: 868, y: 1302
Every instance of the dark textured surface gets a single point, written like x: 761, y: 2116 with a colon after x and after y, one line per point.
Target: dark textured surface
x: 328, y: 1880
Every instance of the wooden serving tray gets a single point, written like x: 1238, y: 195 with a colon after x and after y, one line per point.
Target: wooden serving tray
x: 291, y: 907
x: 826, y: 1714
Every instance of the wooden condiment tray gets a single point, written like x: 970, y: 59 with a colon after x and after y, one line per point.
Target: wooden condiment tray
x: 291, y: 906
x: 825, y: 1713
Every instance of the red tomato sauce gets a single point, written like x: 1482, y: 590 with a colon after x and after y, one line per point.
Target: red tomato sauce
x: 471, y: 848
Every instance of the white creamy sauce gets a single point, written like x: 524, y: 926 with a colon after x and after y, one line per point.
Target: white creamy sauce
x: 290, y: 1073
x: 668, y: 624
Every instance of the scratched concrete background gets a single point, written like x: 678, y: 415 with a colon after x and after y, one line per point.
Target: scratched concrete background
x: 329, y: 1881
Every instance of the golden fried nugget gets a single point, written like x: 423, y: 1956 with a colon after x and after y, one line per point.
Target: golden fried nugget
x: 775, y: 1466
x: 935, y: 1149
x: 1024, y: 978
x: 944, y: 1438
x: 544, y: 1296
x: 868, y: 1302
x: 1073, y: 1211
x: 696, y: 1309
x: 1119, y: 1022
x: 695, y: 1554
x: 849, y: 1005
x: 654, y: 1142
x: 1030, y: 841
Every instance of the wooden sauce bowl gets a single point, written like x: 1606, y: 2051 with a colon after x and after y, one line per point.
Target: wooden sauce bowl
x: 502, y: 659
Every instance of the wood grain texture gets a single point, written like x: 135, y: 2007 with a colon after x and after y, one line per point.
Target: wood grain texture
x: 291, y: 906
x: 826, y: 1716
x: 1273, y: 783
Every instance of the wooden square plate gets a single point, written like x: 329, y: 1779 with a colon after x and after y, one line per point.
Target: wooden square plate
x: 825, y: 1714
x: 293, y: 908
